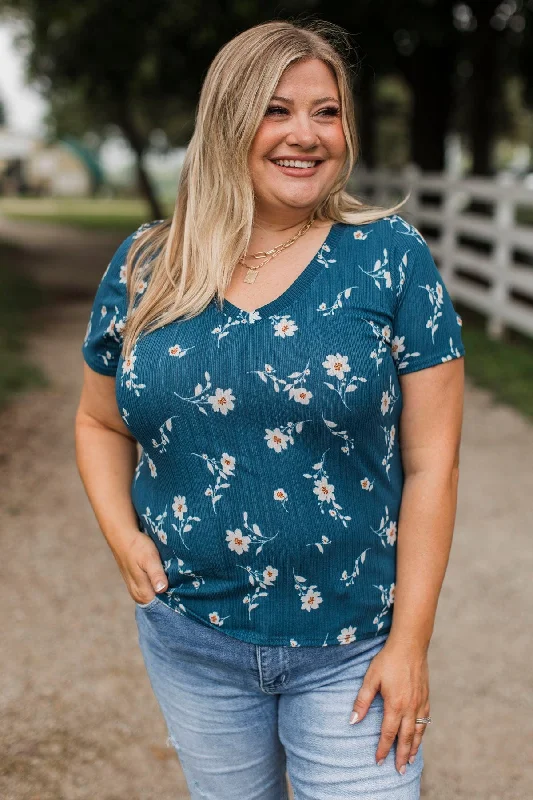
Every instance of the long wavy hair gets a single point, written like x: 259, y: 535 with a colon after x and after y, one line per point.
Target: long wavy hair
x: 190, y: 257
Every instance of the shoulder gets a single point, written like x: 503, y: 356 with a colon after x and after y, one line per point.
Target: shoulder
x: 387, y: 231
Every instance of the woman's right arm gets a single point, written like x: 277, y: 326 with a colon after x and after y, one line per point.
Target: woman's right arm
x: 106, y: 456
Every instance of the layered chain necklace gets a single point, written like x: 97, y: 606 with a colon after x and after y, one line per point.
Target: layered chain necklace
x: 268, y: 255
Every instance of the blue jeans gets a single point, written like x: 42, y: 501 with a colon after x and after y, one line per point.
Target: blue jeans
x: 240, y: 714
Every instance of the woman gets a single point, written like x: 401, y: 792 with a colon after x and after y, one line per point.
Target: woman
x: 291, y: 364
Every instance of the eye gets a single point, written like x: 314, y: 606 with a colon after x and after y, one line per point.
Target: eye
x: 274, y: 110
x: 330, y: 111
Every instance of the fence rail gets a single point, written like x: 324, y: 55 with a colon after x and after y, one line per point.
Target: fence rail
x: 485, y: 256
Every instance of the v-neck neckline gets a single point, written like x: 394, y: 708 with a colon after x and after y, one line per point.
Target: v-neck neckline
x: 298, y: 286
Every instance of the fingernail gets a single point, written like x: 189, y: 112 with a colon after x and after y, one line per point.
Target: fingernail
x: 402, y: 769
x: 160, y: 586
x: 354, y: 717
x: 412, y: 760
x: 381, y: 761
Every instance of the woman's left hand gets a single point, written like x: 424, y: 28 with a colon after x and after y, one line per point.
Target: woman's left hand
x: 400, y: 672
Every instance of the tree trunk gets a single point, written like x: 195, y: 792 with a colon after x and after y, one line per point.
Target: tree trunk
x: 139, y: 145
x: 365, y: 117
x: 429, y: 72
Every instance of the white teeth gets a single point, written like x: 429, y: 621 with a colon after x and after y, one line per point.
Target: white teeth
x: 298, y: 164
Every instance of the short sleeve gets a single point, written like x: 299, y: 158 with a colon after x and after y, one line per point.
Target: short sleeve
x: 426, y: 328
x: 102, y: 344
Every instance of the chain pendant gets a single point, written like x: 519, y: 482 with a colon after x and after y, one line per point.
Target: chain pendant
x: 251, y: 275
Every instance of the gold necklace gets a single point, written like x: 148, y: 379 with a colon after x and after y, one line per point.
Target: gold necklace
x: 268, y: 255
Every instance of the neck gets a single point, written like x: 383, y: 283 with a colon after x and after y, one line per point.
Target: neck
x: 276, y: 222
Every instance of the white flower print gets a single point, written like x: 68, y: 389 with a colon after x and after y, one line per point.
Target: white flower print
x: 263, y: 580
x: 177, y: 351
x: 144, y: 227
x: 320, y: 545
x: 222, y: 468
x: 347, y: 635
x: 389, y: 398
x: 325, y: 492
x: 336, y: 366
x: 349, y: 579
x: 179, y: 506
x: 277, y: 438
x: 387, y: 600
x: 321, y: 256
x: 242, y: 318
x: 280, y: 495
x: 88, y: 330
x: 390, y: 437
x: 383, y: 334
x: 156, y: 525
x: 294, y: 643
x: 125, y: 414
x: 401, y: 271
x: 380, y: 271
x: 367, y: 484
x: 123, y: 274
x: 283, y: 325
x: 360, y: 236
x: 387, y: 529
x: 198, y: 579
x: 329, y: 311
x: 454, y: 352
x: 403, y: 227
x: 309, y: 596
x: 216, y: 619
x: 128, y: 365
x: 294, y: 384
x: 221, y: 401
x: 174, y: 601
x: 459, y: 320
x: 239, y: 542
x: 398, y: 347
x: 349, y: 442
x: 436, y: 298
x: 151, y: 467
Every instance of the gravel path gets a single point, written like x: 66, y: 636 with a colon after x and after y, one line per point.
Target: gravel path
x: 79, y: 720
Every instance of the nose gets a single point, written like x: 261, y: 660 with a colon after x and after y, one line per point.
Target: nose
x: 302, y: 132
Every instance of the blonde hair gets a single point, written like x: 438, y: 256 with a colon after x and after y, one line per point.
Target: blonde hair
x: 190, y: 258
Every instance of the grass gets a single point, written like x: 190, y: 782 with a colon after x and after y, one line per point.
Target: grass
x: 122, y: 215
x: 505, y: 366
x: 19, y: 297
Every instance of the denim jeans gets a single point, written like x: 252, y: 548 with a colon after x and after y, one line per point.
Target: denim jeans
x: 239, y: 715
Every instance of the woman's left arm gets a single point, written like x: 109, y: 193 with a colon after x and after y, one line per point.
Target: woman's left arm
x: 430, y: 433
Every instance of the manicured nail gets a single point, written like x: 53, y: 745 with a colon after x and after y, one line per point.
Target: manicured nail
x: 354, y: 717
x: 159, y: 586
x: 381, y: 761
x: 402, y: 769
x: 412, y: 760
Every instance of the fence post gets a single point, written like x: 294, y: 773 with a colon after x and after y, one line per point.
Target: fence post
x: 448, y: 239
x: 504, y: 221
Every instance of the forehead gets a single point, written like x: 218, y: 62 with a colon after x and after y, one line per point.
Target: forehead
x: 312, y: 78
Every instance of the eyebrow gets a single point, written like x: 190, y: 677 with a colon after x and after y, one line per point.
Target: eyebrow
x: 315, y: 102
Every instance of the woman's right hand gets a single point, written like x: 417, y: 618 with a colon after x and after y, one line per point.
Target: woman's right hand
x: 140, y: 566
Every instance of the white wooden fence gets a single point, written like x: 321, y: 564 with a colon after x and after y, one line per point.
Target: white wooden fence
x: 486, y: 260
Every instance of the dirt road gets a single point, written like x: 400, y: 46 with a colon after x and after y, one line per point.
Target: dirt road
x: 79, y: 720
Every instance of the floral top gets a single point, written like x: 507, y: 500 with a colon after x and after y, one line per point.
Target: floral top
x: 271, y: 476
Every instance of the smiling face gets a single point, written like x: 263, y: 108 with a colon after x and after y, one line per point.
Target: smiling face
x: 299, y: 147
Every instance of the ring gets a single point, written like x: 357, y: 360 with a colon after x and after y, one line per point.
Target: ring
x: 425, y: 720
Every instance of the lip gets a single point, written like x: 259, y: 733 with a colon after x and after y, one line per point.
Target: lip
x: 297, y: 172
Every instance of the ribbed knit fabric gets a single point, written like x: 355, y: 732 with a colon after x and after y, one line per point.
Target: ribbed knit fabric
x: 271, y: 474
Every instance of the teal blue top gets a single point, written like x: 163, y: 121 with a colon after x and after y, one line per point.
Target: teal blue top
x: 271, y: 473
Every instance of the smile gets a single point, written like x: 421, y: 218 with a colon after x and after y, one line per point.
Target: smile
x: 295, y: 163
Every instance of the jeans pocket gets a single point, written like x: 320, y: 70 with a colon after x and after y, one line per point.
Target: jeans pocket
x: 149, y: 604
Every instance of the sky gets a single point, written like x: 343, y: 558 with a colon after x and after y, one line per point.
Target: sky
x: 24, y: 106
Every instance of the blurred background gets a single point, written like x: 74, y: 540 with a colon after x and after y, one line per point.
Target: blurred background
x: 97, y: 105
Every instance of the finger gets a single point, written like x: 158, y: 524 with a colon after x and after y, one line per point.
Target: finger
x: 420, y: 729
x: 156, y: 574
x: 389, y: 728
x: 406, y: 735
x: 364, y: 698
